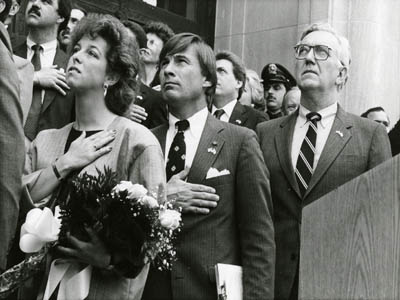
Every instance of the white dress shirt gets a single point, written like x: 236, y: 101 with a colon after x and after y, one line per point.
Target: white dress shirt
x: 192, y: 134
x: 228, y: 109
x: 47, y: 54
x: 323, y: 129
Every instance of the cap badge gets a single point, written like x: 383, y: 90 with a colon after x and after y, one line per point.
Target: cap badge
x: 272, y: 69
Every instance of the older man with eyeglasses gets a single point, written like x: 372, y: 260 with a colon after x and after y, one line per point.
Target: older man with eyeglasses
x: 316, y: 149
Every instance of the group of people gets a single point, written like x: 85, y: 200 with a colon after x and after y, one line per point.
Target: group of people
x: 239, y: 154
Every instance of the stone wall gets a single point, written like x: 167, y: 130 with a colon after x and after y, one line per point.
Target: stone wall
x: 263, y: 31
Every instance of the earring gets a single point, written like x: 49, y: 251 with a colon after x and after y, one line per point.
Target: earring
x: 105, y: 87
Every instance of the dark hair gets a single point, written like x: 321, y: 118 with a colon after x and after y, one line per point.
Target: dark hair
x: 64, y: 10
x: 78, y: 7
x: 162, y: 30
x: 239, y: 70
x: 64, y: 23
x: 377, y: 108
x: 6, y: 11
x: 122, y: 57
x: 138, y: 31
x: 180, y: 42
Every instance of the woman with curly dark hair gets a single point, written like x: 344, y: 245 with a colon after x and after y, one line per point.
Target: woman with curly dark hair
x: 102, y: 72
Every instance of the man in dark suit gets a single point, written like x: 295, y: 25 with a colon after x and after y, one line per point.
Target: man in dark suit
x: 12, y: 152
x: 52, y: 104
x: 316, y: 149
x: 227, y: 159
x: 231, y: 75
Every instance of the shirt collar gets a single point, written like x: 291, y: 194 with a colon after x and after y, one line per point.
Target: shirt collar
x: 228, y: 108
x: 325, y: 113
x: 49, y: 46
x: 196, y: 122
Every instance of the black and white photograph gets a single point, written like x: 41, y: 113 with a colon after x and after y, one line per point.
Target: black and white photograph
x: 199, y: 149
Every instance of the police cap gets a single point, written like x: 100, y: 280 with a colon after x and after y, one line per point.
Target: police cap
x: 277, y: 73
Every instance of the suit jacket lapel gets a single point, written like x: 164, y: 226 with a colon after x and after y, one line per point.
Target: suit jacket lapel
x: 59, y: 60
x: 283, y: 144
x: 337, y: 139
x: 211, y: 143
x: 21, y: 50
x: 5, y: 37
x: 161, y: 134
x: 239, y: 114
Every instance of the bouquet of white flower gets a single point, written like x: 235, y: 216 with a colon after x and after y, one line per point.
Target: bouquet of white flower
x: 127, y: 218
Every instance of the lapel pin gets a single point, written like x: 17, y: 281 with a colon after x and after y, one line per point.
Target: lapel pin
x: 238, y: 121
x: 212, y: 150
x: 339, y: 133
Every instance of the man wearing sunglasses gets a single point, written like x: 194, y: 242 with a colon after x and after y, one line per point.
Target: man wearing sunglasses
x: 316, y: 149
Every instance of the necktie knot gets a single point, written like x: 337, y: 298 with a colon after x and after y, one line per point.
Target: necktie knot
x: 36, y: 48
x: 177, y: 152
x: 182, y: 125
x: 313, y: 117
x: 36, y: 57
x: 218, y: 113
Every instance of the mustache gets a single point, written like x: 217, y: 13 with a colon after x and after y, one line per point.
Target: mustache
x: 34, y: 10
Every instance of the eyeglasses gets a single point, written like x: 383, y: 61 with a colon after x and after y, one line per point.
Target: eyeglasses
x: 321, y: 52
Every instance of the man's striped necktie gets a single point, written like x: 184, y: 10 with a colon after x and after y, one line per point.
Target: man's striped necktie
x: 305, y: 161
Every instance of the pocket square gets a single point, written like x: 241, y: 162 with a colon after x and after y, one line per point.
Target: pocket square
x: 212, y: 172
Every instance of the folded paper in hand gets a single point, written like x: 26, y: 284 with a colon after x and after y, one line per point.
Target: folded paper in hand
x: 212, y: 172
x: 229, y: 282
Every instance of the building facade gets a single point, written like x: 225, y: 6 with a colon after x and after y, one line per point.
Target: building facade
x: 263, y: 31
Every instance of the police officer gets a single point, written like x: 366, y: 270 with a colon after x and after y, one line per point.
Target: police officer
x: 277, y: 80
